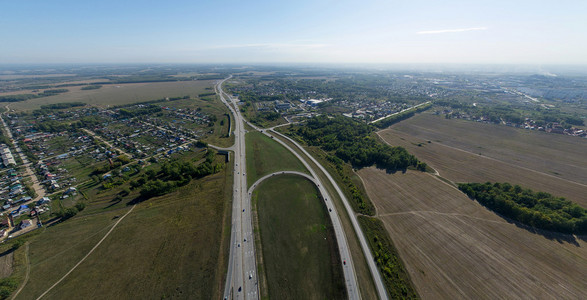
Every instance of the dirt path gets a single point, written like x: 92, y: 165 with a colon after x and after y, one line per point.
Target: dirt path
x: 39, y: 190
x: 6, y: 263
x: 28, y: 270
x: 87, y: 255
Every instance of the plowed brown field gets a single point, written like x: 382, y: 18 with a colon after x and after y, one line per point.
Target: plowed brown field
x: 465, y: 151
x: 455, y: 248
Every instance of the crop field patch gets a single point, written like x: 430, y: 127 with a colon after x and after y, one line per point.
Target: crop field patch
x: 120, y: 94
x: 481, y: 158
x: 555, y: 154
x: 455, y: 248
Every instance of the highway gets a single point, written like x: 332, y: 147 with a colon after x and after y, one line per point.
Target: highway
x: 241, y: 279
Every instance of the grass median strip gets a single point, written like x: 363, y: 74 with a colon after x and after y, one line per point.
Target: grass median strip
x: 265, y: 156
x: 297, y: 241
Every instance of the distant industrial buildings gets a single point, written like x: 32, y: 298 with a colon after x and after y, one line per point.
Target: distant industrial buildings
x: 314, y: 102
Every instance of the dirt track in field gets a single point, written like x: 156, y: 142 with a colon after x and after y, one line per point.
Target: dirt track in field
x: 454, y: 248
x: 6, y: 264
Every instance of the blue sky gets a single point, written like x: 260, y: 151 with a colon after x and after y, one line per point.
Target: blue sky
x: 448, y: 31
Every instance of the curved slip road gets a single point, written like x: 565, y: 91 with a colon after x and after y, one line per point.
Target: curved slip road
x: 367, y: 252
x: 343, y: 247
x: 348, y: 267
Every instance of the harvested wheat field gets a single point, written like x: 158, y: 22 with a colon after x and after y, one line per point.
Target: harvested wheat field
x: 454, y: 248
x: 525, y: 161
x: 555, y: 154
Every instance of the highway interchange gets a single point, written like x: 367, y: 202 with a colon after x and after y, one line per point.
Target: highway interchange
x: 241, y: 279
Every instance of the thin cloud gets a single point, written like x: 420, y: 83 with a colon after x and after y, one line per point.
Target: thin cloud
x: 272, y: 46
x: 451, y: 30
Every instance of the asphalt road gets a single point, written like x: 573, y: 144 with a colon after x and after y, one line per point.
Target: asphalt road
x: 241, y: 279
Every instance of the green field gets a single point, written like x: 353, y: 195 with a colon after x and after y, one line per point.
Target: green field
x: 265, y: 156
x: 173, y: 246
x: 299, y: 250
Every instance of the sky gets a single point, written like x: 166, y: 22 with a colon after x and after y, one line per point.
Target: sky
x: 302, y: 31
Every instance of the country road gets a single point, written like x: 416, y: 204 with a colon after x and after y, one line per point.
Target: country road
x: 94, y: 135
x: 28, y: 172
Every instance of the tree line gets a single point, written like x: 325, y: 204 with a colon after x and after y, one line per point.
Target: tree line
x: 354, y: 143
x: 401, y: 116
x: 62, y: 105
x: 59, y: 126
x: 537, y: 209
x: 24, y: 97
x: 508, y: 113
x: 91, y: 87
x: 146, y: 110
x: 395, y: 276
x: 175, y: 174
x: 359, y: 203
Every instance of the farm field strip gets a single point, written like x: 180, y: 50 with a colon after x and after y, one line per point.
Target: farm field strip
x: 553, y: 154
x: 178, y: 238
x: 118, y: 94
x: 455, y: 248
x: 462, y: 166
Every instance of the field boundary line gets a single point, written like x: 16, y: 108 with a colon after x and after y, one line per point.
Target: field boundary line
x: 88, y: 254
x: 418, y: 212
x: 28, y: 270
x: 365, y: 189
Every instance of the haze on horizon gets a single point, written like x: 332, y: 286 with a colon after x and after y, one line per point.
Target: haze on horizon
x: 305, y: 31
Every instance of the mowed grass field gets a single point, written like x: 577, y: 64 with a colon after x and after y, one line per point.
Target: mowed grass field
x: 173, y: 246
x: 119, y: 94
x: 299, y: 250
x: 454, y: 248
x: 465, y: 151
x: 265, y: 156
